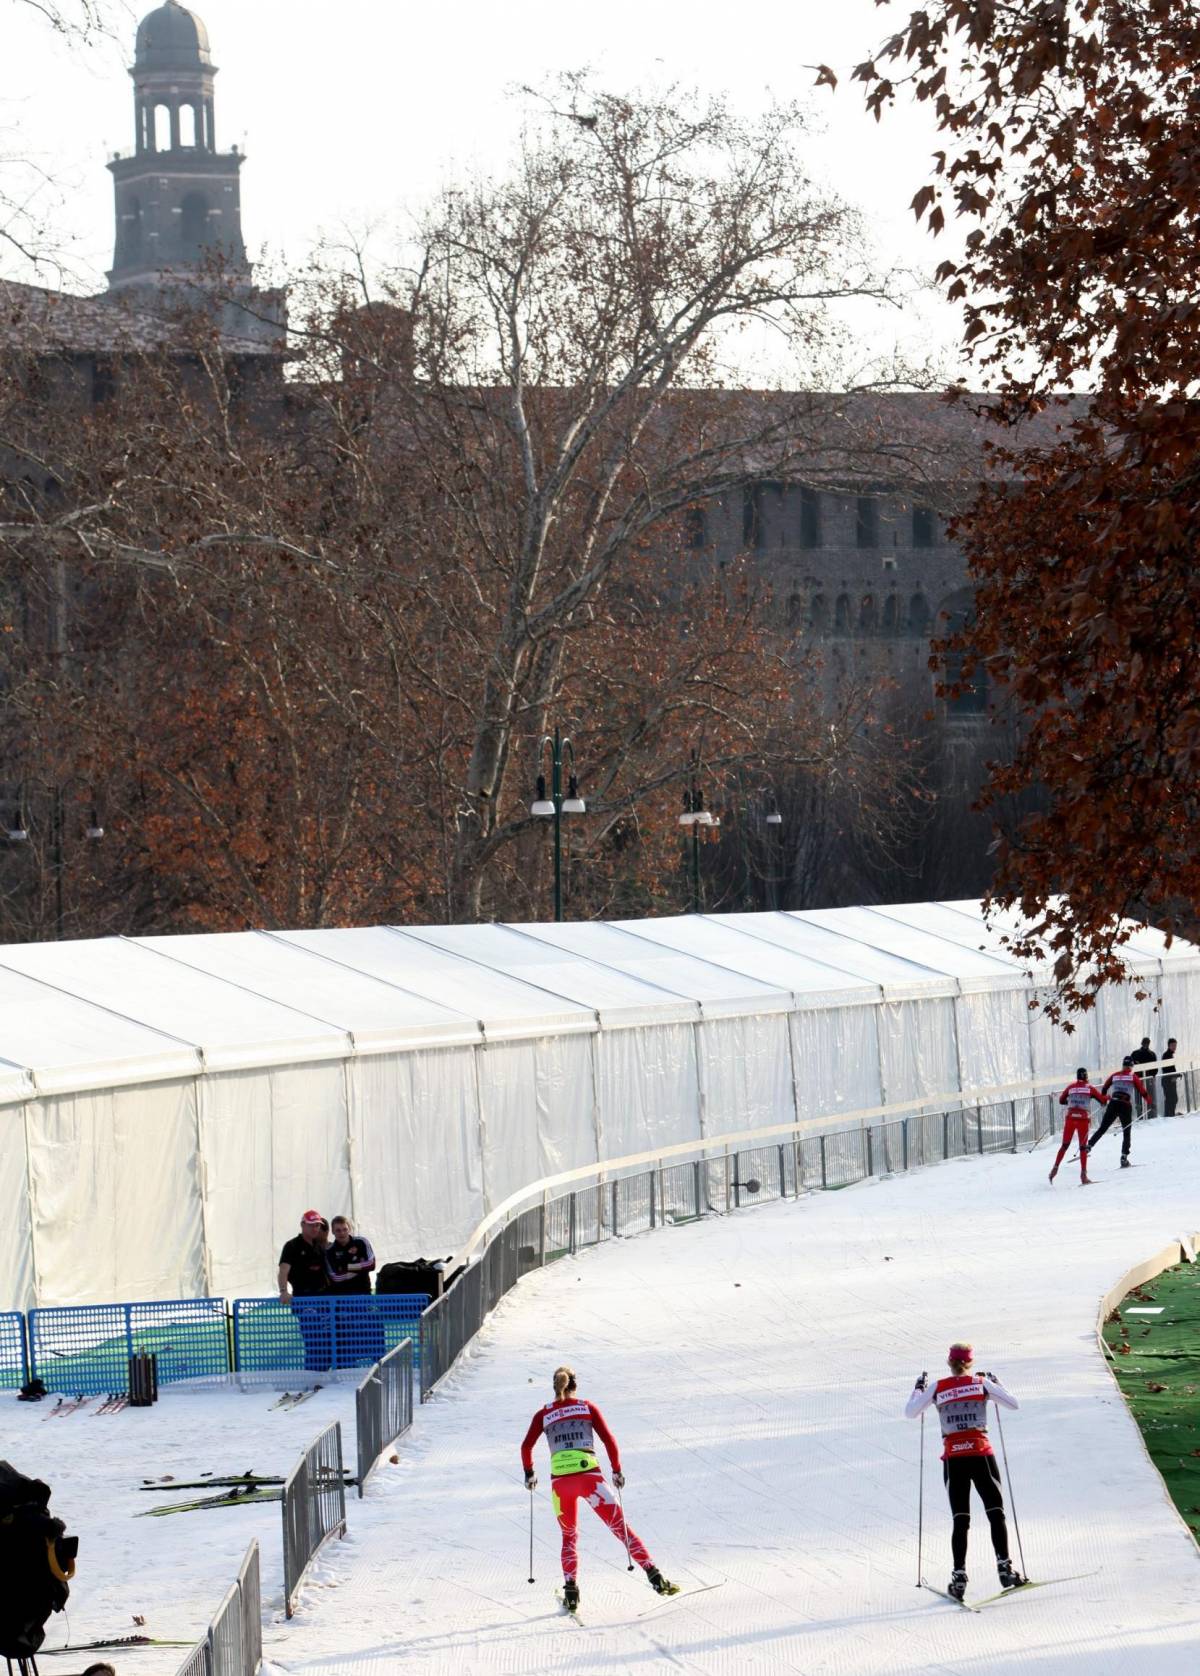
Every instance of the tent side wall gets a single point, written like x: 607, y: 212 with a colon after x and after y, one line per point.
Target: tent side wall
x: 190, y: 1183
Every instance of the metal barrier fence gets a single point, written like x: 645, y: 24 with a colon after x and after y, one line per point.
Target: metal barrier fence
x: 232, y: 1645
x: 86, y: 1348
x: 320, y: 1335
x: 14, y: 1360
x: 717, y: 1183
x: 314, y: 1508
x: 383, y: 1408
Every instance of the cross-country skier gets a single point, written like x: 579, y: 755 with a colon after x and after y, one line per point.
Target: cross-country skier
x: 967, y: 1458
x: 1120, y: 1087
x: 1076, y: 1097
x: 570, y: 1427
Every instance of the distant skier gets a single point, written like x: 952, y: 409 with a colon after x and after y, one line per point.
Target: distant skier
x: 570, y: 1427
x: 967, y: 1458
x: 1120, y: 1087
x: 1076, y: 1097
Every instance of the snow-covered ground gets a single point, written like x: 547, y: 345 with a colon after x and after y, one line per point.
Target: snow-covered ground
x: 754, y: 1369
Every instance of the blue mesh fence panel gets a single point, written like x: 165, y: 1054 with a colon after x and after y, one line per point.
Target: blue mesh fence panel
x: 323, y: 1334
x: 14, y: 1364
x: 86, y: 1348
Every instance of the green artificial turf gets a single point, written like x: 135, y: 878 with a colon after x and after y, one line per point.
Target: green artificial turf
x: 1156, y: 1359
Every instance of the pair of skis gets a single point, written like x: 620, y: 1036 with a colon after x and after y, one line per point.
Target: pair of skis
x: 675, y: 1594
x: 1005, y: 1594
x: 239, y: 1494
x: 113, y: 1403
x: 113, y: 1641
x: 293, y: 1399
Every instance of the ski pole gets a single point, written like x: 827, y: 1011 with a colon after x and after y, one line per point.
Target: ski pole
x: 921, y: 1500
x: 1011, y: 1498
x: 531, y: 1535
x: 624, y: 1529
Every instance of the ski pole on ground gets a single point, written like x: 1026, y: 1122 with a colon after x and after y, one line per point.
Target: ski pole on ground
x: 921, y: 1501
x: 624, y: 1529
x: 1011, y: 1499
x: 531, y: 1533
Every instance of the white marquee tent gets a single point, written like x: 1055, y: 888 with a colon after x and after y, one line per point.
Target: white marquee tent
x: 171, y: 1104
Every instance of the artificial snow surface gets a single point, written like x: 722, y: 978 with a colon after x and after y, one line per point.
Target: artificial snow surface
x: 754, y: 1369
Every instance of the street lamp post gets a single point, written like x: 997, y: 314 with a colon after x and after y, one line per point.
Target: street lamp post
x: 774, y: 820
x: 17, y: 833
x: 556, y: 805
x: 695, y: 816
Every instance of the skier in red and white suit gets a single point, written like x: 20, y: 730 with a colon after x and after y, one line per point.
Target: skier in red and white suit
x: 967, y: 1458
x: 571, y: 1426
x: 1076, y: 1097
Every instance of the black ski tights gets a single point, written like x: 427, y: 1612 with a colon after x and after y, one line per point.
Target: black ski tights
x: 959, y: 1475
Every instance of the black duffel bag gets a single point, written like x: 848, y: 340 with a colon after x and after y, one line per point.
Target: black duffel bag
x: 37, y: 1561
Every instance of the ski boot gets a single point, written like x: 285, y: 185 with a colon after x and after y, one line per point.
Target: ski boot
x: 660, y: 1584
x: 1085, y: 1181
x: 570, y: 1594
x: 1125, y: 1163
x: 956, y: 1588
x: 1009, y: 1577
x: 1053, y: 1172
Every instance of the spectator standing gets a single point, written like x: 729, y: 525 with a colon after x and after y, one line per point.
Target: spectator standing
x: 1145, y: 1055
x: 351, y: 1262
x: 302, y: 1266
x: 1170, y: 1078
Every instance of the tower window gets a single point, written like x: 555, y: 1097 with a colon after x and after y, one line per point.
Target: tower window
x: 923, y: 526
x: 891, y: 614
x: 819, y: 614
x: 867, y: 525
x: 193, y: 226
x: 162, y: 128
x: 918, y: 615
x: 187, y: 125
x: 867, y: 617
x: 810, y: 518
x: 841, y: 615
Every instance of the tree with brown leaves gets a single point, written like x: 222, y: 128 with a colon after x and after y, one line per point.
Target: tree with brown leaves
x: 1070, y: 178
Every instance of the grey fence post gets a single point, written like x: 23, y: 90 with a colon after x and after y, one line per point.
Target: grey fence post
x: 824, y: 1170
x: 904, y: 1141
x: 979, y: 1129
x: 782, y: 1174
x: 616, y: 1209
x: 696, y: 1186
x: 571, y: 1225
x: 653, y: 1223
x: 870, y: 1151
x: 542, y: 1227
x: 727, y: 1178
x: 1012, y: 1107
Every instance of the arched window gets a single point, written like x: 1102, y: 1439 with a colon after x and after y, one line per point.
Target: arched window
x: 162, y: 128
x: 891, y: 614
x: 841, y: 615
x: 867, y: 616
x: 795, y: 610
x: 193, y: 224
x: 956, y: 615
x: 918, y: 615
x: 818, y: 614
x: 188, y: 125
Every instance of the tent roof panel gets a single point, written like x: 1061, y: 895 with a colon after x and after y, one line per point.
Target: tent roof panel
x: 377, y: 1015
x: 619, y: 998
x: 619, y: 944
x: 896, y: 979
x: 65, y: 1043
x: 232, y: 1028
x: 720, y: 939
x: 970, y: 968
x: 504, y: 1007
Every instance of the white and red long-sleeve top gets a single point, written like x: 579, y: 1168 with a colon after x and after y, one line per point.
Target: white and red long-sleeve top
x: 571, y: 1427
x: 1122, y: 1084
x: 962, y: 1409
x: 1075, y: 1097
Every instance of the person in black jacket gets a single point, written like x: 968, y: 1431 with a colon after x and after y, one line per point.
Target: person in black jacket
x: 302, y: 1266
x: 1170, y: 1077
x: 1145, y: 1055
x: 351, y: 1261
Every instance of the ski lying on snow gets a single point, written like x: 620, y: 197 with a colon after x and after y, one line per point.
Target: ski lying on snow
x: 230, y: 1498
x: 113, y: 1641
x: 1040, y: 1583
x: 291, y: 1399
x: 250, y: 1480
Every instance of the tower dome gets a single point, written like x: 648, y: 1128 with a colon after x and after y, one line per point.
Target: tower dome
x: 172, y: 38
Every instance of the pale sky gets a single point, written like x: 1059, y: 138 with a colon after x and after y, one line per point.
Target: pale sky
x: 352, y: 111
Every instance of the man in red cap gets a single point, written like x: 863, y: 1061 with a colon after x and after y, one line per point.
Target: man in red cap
x: 302, y: 1266
x: 967, y: 1458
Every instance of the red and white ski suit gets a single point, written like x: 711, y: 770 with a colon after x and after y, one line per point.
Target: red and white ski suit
x: 571, y: 1426
x: 1075, y: 1097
